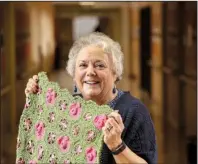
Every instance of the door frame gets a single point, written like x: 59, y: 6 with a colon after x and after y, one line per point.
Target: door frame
x: 120, y: 18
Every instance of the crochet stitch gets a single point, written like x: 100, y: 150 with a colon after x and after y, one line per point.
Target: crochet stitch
x: 56, y: 127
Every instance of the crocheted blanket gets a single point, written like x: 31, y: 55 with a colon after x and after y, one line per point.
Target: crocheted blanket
x: 56, y: 127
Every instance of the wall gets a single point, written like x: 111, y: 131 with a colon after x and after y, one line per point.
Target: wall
x: 80, y: 27
x: 26, y: 25
x: 39, y: 18
x: 155, y: 103
x: 37, y: 22
x: 42, y: 22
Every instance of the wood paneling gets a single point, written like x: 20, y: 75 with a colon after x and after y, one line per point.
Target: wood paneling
x: 180, y: 60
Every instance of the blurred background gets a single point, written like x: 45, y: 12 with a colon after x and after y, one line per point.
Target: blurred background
x: 159, y: 41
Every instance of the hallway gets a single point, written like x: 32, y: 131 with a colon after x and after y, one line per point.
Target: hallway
x: 62, y: 78
x: 159, y: 41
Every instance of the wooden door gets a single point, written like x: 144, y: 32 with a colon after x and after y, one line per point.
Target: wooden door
x: 64, y: 39
x: 188, y: 80
x: 179, y: 33
x: 172, y: 98
x: 8, y: 112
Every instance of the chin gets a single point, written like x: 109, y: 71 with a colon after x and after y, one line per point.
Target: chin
x: 90, y: 94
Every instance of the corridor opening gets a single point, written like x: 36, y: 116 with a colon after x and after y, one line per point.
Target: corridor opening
x: 145, y: 49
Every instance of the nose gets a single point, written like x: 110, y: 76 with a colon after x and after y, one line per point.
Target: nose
x: 91, y: 70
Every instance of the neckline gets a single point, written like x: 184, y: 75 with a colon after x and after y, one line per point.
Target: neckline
x: 112, y: 103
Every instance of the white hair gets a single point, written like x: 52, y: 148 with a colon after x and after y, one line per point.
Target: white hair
x: 101, y: 40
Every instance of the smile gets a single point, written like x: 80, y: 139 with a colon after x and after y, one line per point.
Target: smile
x: 91, y: 82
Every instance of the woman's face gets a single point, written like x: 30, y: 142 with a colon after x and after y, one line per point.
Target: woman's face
x: 94, y: 76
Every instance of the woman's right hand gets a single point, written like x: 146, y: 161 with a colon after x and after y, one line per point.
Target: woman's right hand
x: 32, y: 85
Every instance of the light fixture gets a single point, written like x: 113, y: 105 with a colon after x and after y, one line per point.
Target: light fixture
x: 87, y: 3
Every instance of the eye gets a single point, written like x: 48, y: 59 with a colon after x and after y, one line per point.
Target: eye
x: 100, y: 65
x: 82, y: 65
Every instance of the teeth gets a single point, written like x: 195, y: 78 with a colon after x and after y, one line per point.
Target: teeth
x: 91, y: 82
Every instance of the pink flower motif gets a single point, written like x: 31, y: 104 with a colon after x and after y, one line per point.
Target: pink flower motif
x: 51, y: 117
x: 26, y: 106
x: 40, y: 109
x: 67, y: 161
x: 76, y: 130
x: 39, y: 130
x: 32, y: 162
x: 63, y: 106
x: 99, y: 121
x: 20, y: 161
x: 39, y: 91
x: 64, y: 143
x: 30, y: 147
x: 63, y: 124
x: 91, y: 155
x: 40, y: 152
x: 75, y: 110
x: 50, y: 97
x: 91, y: 135
x: 27, y: 103
x: 53, y: 159
x: 27, y: 124
x: 51, y: 138
x: 87, y: 116
x: 78, y: 150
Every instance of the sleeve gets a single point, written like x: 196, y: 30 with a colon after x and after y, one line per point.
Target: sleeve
x: 141, y: 136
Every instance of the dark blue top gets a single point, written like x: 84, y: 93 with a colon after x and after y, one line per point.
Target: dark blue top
x: 114, y: 101
x: 139, y: 133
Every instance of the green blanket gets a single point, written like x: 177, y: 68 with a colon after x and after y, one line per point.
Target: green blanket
x: 56, y: 127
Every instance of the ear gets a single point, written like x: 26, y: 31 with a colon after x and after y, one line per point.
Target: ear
x: 115, y: 78
x: 74, y: 80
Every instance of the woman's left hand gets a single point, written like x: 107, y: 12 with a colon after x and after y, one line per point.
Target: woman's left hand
x: 113, y: 130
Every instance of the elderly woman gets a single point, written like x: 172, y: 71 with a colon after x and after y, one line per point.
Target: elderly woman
x: 96, y: 64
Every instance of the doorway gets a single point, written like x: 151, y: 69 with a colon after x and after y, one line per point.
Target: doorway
x: 180, y: 81
x: 72, y: 20
x: 145, y: 49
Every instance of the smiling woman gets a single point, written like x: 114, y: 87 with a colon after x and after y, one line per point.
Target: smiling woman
x: 96, y: 64
x: 93, y: 75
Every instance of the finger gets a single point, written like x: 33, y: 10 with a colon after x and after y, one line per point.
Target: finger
x: 35, y: 90
x: 34, y: 85
x: 113, y: 118
x: 31, y: 87
x: 30, y: 79
x: 105, y: 131
x: 29, y: 82
x: 111, y: 131
x: 116, y: 116
x: 26, y: 92
x: 35, y: 78
x: 108, y: 126
x: 114, y: 130
x: 115, y: 125
x: 33, y: 82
